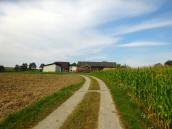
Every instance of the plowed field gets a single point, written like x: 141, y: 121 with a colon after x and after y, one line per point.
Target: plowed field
x: 20, y: 90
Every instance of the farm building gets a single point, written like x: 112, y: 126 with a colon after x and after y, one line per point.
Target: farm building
x: 73, y: 67
x: 56, y: 67
x: 84, y: 66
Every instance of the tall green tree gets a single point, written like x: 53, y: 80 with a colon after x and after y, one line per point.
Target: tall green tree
x: 17, y: 68
x: 41, y: 66
x: 24, y: 67
x: 32, y: 66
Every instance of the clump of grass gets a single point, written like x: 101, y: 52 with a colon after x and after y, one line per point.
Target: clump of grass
x: 94, y: 84
x: 31, y: 115
x: 85, y: 116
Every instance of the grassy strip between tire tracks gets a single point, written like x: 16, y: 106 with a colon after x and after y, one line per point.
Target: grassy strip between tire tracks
x: 31, y: 115
x: 85, y: 116
x: 94, y: 84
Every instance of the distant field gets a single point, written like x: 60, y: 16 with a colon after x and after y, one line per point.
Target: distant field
x: 20, y: 90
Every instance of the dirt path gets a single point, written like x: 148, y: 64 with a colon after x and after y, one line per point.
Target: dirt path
x: 56, y: 118
x: 108, y: 116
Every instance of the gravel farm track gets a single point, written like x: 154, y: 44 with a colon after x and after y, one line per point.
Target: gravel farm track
x: 108, y: 117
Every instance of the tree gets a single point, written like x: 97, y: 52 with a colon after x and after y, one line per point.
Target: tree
x: 24, y: 67
x: 168, y: 63
x: 17, y: 68
x: 73, y: 64
x: 41, y: 66
x: 2, y: 68
x: 32, y: 66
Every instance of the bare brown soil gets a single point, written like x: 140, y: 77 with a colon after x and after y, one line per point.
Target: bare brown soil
x: 20, y: 90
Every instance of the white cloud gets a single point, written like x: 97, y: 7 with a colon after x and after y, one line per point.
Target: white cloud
x: 142, y: 44
x: 48, y: 30
x: 146, y: 25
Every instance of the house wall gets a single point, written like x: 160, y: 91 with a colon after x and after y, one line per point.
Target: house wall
x: 52, y: 68
x: 58, y: 68
x: 73, y: 68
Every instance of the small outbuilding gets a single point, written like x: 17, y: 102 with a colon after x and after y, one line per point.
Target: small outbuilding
x: 73, y: 67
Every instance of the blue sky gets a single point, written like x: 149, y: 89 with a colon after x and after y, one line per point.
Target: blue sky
x: 132, y: 32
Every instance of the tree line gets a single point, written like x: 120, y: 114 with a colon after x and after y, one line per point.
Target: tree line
x: 24, y: 67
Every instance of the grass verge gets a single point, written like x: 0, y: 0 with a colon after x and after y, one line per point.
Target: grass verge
x: 130, y: 112
x: 85, y: 116
x: 31, y: 115
x: 94, y: 84
x: 131, y: 115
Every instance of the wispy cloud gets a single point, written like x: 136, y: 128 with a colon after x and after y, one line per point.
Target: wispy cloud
x: 146, y: 25
x: 142, y: 44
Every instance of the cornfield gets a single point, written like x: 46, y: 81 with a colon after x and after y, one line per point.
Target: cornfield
x: 149, y: 87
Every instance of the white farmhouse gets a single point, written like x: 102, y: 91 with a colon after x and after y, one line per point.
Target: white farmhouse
x: 54, y: 67
x: 73, y: 67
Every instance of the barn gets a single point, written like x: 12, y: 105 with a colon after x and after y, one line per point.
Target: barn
x: 56, y: 67
x: 85, y: 66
